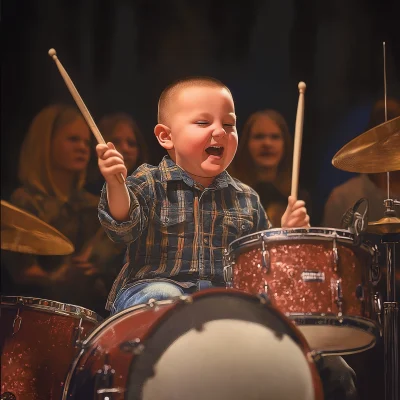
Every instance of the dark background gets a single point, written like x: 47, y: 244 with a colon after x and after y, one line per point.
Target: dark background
x: 121, y: 54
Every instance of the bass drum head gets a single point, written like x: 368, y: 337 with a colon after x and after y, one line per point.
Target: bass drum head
x: 223, y: 345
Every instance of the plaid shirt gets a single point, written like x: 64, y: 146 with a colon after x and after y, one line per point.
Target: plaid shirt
x: 177, y: 229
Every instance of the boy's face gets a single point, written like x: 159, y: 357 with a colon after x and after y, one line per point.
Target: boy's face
x: 203, y: 134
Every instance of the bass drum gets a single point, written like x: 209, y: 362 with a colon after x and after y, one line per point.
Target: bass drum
x: 39, y: 339
x: 215, y: 344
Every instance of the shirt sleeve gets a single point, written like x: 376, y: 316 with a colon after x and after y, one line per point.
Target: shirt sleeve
x: 263, y: 222
x: 126, y: 231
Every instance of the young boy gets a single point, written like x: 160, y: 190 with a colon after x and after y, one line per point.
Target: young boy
x: 178, y: 218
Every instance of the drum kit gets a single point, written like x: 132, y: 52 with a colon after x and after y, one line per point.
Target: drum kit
x: 292, y: 297
x: 53, y: 350
x: 314, y: 277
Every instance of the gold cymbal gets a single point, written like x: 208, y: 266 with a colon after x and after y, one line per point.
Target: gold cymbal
x: 22, y: 232
x: 384, y: 225
x: 374, y: 151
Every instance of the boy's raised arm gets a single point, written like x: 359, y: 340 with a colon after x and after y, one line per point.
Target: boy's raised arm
x: 111, y: 163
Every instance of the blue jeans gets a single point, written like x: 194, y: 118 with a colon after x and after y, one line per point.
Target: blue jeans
x: 141, y: 293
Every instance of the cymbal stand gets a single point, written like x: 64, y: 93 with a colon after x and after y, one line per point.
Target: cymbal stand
x: 390, y: 312
x: 390, y: 306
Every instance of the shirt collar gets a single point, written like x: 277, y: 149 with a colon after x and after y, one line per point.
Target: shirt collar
x: 172, y: 172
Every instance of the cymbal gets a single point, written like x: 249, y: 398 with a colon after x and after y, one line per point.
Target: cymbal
x: 384, y: 225
x: 374, y: 151
x: 22, y: 232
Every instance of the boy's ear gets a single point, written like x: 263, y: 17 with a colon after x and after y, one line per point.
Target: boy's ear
x: 163, y: 134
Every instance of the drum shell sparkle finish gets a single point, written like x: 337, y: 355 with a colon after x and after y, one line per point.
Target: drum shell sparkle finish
x: 108, y: 345
x: 38, y: 342
x: 313, y: 276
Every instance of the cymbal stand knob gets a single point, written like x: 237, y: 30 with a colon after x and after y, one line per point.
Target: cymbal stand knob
x: 389, y: 204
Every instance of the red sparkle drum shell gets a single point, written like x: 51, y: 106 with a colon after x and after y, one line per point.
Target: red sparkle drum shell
x: 38, y: 343
x: 130, y: 345
x: 314, y: 276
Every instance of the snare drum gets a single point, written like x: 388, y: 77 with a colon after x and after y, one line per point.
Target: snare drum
x: 316, y: 277
x: 38, y: 341
x: 216, y: 344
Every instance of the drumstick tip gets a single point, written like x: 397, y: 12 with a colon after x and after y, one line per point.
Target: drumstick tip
x: 52, y: 53
x: 302, y: 87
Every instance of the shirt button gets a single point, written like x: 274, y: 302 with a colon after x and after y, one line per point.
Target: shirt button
x: 166, y: 219
x: 205, y: 240
x: 243, y: 227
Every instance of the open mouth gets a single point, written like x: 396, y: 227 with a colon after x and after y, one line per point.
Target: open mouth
x: 215, y: 151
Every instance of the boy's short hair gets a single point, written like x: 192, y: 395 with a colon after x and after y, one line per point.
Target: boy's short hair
x: 167, y: 95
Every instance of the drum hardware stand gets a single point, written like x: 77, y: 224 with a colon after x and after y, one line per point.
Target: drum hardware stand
x: 390, y: 307
x: 390, y: 310
x: 104, y: 379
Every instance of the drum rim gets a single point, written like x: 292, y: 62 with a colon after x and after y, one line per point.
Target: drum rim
x: 95, y: 332
x: 112, y: 318
x: 281, y: 234
x: 354, y: 322
x: 184, y: 298
x: 53, y: 307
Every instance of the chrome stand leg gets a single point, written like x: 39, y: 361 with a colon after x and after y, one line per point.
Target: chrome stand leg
x: 391, y: 349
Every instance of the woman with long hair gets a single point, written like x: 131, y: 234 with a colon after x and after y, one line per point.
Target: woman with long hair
x: 264, y: 161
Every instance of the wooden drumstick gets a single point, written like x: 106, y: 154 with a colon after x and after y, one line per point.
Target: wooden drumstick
x: 298, y: 135
x: 79, y: 102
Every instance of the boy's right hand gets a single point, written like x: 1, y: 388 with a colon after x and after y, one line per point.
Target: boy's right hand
x: 111, y: 163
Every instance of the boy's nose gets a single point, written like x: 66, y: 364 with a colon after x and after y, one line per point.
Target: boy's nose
x: 219, y: 132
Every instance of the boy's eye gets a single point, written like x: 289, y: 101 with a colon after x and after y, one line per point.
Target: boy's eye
x: 202, y: 122
x: 232, y: 125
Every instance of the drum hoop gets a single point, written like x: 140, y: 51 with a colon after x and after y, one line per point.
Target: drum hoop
x: 281, y: 235
x: 121, y: 314
x: 355, y: 322
x: 86, y: 343
x: 301, y: 341
x: 51, y: 307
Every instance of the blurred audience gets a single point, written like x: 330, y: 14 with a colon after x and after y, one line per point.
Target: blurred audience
x: 52, y: 169
x: 264, y: 162
x: 122, y: 130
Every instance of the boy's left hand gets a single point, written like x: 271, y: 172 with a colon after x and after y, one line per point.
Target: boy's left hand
x: 295, y: 215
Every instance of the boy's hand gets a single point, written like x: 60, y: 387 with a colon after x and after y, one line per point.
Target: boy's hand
x: 295, y: 215
x: 111, y: 163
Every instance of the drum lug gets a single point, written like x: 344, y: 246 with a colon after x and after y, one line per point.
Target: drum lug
x: 228, y: 264
x: 378, y: 306
x: 339, y: 299
x: 335, y: 255
x: 264, y: 299
x: 265, y: 258
x: 17, y: 323
x: 76, y: 339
